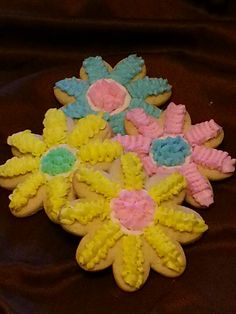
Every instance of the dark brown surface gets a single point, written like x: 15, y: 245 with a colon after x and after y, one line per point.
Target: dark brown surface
x: 194, y: 46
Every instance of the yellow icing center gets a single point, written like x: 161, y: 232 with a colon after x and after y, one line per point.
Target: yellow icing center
x: 26, y: 142
x: 132, y: 171
x: 55, y: 128
x: 19, y: 166
x: 26, y: 190
x: 58, y: 189
x: 98, y: 247
x: 84, y: 212
x: 168, y: 188
x: 96, y: 152
x: 98, y: 182
x: 179, y: 220
x: 166, y: 249
x: 85, y: 129
x: 133, y: 260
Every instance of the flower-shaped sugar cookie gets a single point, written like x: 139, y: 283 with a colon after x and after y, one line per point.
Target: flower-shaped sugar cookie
x: 112, y: 91
x: 173, y: 144
x: 41, y: 170
x: 131, y: 222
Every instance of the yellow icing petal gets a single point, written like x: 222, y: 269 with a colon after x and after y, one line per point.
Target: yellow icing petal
x: 98, y: 182
x: 166, y: 249
x: 96, y: 152
x: 133, y: 171
x: 26, y: 142
x: 55, y: 128
x: 167, y: 188
x: 58, y: 189
x: 84, y: 212
x: 98, y: 247
x: 133, y: 260
x: 85, y: 129
x: 26, y: 190
x: 180, y: 220
x: 18, y: 166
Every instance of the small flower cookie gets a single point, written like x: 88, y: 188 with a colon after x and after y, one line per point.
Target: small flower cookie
x: 41, y: 171
x: 112, y: 91
x: 131, y: 222
x: 172, y: 144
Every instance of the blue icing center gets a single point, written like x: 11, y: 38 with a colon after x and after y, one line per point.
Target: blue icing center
x: 170, y: 151
x: 57, y: 161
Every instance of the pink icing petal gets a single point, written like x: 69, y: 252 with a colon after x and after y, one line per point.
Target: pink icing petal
x: 133, y: 209
x: 146, y: 125
x: 174, y: 118
x: 136, y: 143
x: 202, y: 132
x: 149, y: 166
x: 198, y: 186
x: 213, y: 159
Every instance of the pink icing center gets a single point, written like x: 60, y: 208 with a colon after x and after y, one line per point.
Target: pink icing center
x: 107, y: 95
x: 133, y: 209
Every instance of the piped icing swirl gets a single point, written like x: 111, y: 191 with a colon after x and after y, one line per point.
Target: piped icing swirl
x: 26, y: 142
x: 55, y: 127
x: 172, y: 185
x: 174, y: 118
x: 179, y: 220
x: 202, y: 132
x: 213, y: 159
x: 26, y: 190
x: 133, y: 260
x: 136, y: 143
x: 146, y: 125
x: 85, y: 129
x: 19, y: 166
x: 164, y: 248
x: 197, y: 185
x: 132, y: 170
x: 97, y: 151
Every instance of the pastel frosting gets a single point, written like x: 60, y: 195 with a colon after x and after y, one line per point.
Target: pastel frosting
x: 202, y: 132
x: 57, y: 161
x: 113, y: 91
x: 170, y: 151
x: 174, y: 118
x: 134, y: 209
x: 107, y: 95
x: 147, y: 125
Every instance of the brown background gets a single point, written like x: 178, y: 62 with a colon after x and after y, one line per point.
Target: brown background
x: 193, y: 44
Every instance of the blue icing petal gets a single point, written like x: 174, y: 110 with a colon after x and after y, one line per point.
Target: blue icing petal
x: 72, y: 86
x: 127, y: 69
x: 117, y: 122
x: 78, y: 109
x: 147, y: 87
x: 95, y: 68
x: 170, y: 151
x: 149, y: 109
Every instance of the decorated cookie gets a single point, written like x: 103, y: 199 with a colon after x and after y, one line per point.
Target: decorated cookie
x: 41, y: 170
x: 131, y: 222
x: 172, y: 144
x: 112, y: 91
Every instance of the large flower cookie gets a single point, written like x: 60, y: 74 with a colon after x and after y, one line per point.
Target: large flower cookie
x: 113, y: 91
x: 41, y: 170
x: 172, y: 144
x: 131, y: 222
